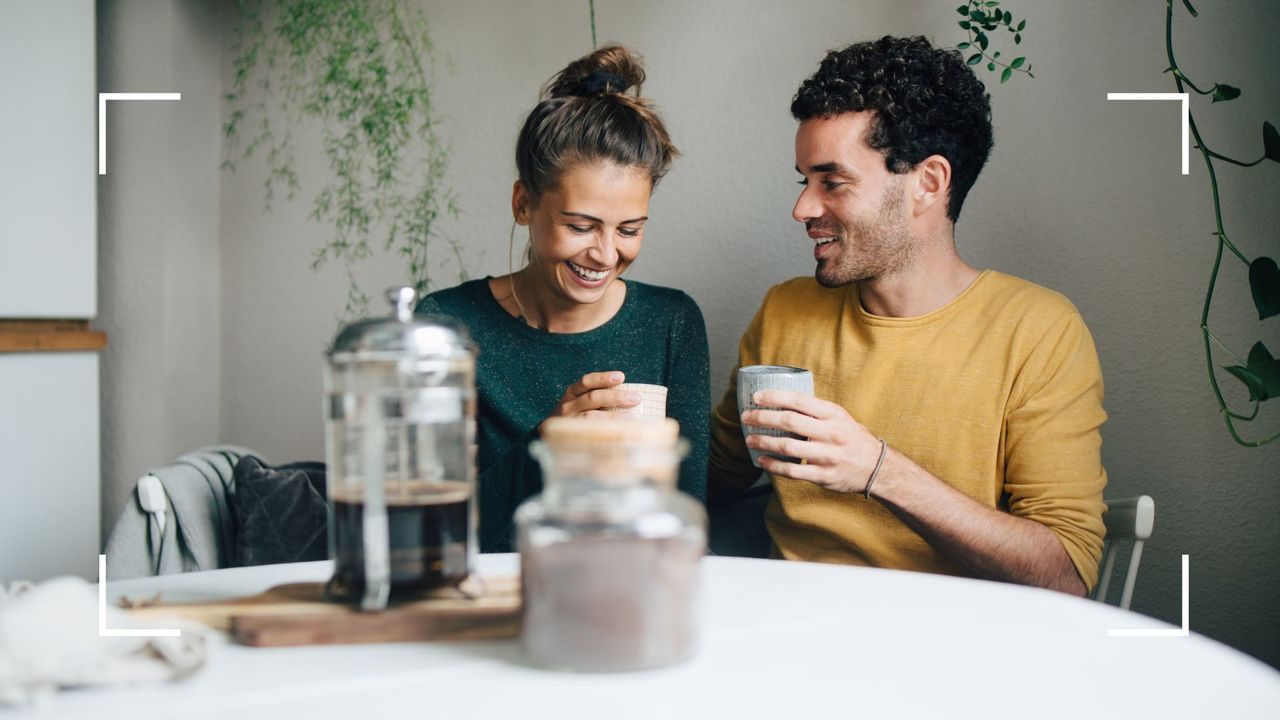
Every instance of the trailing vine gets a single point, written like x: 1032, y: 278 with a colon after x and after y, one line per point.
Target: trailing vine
x: 362, y: 70
x: 985, y: 16
x: 1260, y: 371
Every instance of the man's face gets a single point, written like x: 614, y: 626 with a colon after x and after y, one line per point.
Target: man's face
x: 853, y: 208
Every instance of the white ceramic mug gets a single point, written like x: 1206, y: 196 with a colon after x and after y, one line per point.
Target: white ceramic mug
x: 753, y: 378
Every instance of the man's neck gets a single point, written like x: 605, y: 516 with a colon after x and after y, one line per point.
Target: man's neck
x: 934, y: 276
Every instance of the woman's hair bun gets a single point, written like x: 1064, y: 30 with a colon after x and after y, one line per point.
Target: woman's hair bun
x: 610, y: 70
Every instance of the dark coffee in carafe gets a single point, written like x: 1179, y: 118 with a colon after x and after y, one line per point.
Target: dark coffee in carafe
x: 428, y: 533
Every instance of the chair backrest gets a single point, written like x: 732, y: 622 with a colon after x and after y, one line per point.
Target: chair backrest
x: 1126, y: 519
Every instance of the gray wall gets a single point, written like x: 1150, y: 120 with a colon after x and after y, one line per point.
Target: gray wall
x: 159, y: 262
x: 1081, y: 195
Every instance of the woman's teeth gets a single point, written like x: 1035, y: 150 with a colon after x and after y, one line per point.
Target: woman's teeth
x: 592, y: 275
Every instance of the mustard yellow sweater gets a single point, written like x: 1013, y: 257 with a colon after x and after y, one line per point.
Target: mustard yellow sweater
x: 998, y: 393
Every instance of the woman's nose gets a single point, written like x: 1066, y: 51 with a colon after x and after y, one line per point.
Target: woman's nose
x: 605, y: 251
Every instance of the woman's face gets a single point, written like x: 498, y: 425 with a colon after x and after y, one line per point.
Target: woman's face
x: 584, y: 233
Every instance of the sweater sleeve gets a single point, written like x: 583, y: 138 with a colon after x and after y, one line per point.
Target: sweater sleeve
x: 1053, y: 464
x: 689, y: 394
x: 729, y: 464
x: 503, y: 484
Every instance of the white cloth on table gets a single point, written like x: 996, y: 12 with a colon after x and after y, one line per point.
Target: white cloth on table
x: 49, y: 641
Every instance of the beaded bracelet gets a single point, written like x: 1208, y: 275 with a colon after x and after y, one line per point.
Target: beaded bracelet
x: 871, y: 480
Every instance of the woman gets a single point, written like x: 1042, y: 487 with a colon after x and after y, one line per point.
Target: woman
x: 557, y: 336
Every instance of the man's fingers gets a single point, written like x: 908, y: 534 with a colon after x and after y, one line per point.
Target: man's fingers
x: 812, y: 473
x: 800, y: 402
x: 789, y: 447
x: 594, y: 381
x: 792, y: 422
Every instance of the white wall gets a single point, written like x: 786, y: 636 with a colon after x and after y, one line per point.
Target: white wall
x: 1081, y: 195
x: 160, y: 292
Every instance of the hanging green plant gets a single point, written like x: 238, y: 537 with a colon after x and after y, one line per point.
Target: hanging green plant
x: 1259, y: 372
x: 363, y: 71
x: 980, y: 17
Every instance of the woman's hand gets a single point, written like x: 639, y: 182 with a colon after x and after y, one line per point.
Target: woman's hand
x: 593, y: 394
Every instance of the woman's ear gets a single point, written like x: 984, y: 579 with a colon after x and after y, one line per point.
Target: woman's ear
x: 520, y: 203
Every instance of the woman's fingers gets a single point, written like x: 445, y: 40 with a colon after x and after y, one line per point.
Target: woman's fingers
x: 602, y: 399
x: 595, y: 381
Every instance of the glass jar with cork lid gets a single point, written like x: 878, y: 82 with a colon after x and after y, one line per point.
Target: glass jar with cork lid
x: 610, y: 550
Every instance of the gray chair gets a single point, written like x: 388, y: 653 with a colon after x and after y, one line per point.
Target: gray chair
x: 1128, y: 520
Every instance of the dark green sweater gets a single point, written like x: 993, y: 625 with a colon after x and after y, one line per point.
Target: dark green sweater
x: 657, y: 336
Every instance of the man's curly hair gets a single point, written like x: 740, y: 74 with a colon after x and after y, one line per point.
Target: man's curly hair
x: 924, y: 101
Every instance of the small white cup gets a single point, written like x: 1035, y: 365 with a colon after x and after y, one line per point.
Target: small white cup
x: 653, y: 401
x: 753, y: 378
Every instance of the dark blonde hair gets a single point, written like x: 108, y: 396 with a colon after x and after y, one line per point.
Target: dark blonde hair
x: 585, y: 115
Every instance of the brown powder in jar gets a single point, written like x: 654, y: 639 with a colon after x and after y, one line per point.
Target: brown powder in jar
x: 602, y: 604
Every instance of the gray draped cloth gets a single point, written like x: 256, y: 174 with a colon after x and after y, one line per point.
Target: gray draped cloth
x: 200, y: 530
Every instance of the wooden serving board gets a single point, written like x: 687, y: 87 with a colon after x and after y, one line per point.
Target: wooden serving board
x: 299, y: 614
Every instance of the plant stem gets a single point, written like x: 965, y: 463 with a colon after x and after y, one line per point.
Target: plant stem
x: 1233, y: 161
x: 1227, y: 415
x: 1233, y: 353
x: 990, y: 58
x: 592, y: 5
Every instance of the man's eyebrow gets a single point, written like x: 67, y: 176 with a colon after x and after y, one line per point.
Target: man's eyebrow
x: 826, y: 167
x: 592, y: 218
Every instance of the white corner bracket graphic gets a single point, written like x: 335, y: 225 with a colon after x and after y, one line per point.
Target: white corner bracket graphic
x: 103, y: 630
x: 102, y: 118
x: 1186, y: 114
x: 1185, y: 630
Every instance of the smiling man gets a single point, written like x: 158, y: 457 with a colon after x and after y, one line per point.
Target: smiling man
x: 955, y: 423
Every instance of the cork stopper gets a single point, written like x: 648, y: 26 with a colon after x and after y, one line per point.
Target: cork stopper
x: 616, y: 450
x: 588, y: 431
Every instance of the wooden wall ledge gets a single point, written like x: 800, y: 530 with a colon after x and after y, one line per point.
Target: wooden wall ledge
x: 49, y: 336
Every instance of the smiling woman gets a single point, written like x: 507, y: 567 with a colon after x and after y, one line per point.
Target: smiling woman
x: 559, y: 335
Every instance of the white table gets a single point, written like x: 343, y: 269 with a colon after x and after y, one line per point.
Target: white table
x: 780, y: 640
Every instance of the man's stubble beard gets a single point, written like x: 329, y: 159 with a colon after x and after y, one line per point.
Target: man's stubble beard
x: 892, y: 249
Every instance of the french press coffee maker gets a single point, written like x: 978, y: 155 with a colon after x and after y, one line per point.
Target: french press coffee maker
x: 400, y: 426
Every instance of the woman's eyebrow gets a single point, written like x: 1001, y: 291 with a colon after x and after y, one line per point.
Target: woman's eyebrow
x: 592, y: 218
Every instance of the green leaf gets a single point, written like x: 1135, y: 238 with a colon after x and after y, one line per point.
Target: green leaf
x: 991, y: 3
x: 1004, y: 76
x: 1223, y: 92
x: 1017, y: 62
x: 963, y: 10
x: 997, y: 55
x: 991, y: 66
x: 1271, y: 141
x: 1017, y: 39
x: 1008, y: 17
x: 1022, y: 26
x: 975, y: 58
x: 963, y: 45
x: 1264, y: 283
x: 1261, y: 375
x: 1190, y: 9
x: 965, y: 24
x: 982, y: 40
x: 977, y: 16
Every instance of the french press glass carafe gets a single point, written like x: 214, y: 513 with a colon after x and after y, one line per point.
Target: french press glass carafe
x: 400, y: 426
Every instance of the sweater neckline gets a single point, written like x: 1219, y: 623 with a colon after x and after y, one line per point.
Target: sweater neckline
x: 951, y: 307
x: 516, y: 325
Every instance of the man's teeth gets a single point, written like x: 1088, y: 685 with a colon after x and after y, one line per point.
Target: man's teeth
x: 592, y: 275
x: 824, y: 241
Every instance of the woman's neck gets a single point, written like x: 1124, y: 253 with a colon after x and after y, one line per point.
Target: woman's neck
x: 528, y: 298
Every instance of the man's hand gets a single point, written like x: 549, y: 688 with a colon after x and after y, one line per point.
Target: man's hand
x: 593, y: 394
x: 839, y: 453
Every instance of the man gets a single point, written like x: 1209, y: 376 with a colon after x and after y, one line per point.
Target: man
x: 955, y: 423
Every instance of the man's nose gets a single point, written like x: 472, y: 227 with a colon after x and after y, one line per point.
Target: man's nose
x: 807, y: 206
